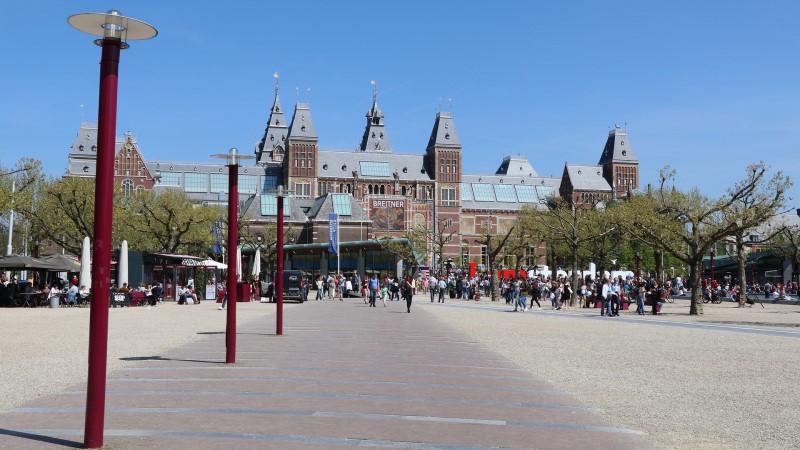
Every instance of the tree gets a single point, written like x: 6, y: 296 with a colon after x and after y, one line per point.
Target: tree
x: 408, y: 252
x: 62, y: 212
x: 170, y: 222
x: 566, y: 223
x: 18, y: 187
x: 250, y: 232
x: 493, y: 248
x: 687, y: 225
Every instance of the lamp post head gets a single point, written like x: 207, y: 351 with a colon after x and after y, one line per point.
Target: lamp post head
x: 112, y: 25
x: 280, y: 192
x: 232, y: 156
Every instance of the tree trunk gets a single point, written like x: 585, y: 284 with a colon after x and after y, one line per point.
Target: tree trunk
x: 659, y: 254
x: 742, y: 275
x: 695, y: 272
x: 495, y: 285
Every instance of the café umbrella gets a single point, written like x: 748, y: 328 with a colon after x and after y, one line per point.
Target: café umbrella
x: 22, y: 262
x: 64, y: 263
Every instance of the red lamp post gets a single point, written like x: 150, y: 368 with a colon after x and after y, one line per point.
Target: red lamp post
x: 233, y: 158
x: 279, y: 266
x: 114, y: 29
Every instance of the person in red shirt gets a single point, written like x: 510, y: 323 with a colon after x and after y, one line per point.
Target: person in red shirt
x: 75, y: 280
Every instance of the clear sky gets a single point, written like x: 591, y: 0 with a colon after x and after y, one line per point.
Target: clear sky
x: 704, y: 86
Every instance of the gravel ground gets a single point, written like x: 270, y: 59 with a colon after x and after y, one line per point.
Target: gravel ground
x: 684, y: 388
x: 46, y: 350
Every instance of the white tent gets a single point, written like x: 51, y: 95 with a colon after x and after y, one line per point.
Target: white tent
x: 215, y: 264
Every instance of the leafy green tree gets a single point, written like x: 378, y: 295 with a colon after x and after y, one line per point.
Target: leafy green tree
x: 264, y: 235
x: 169, y: 221
x: 687, y: 225
x: 18, y: 187
x: 573, y: 226
x: 408, y: 252
x: 62, y: 212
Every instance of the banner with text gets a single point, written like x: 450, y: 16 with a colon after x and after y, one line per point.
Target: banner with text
x: 333, y: 232
x: 387, y: 214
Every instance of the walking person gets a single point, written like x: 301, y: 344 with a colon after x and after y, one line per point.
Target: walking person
x: 320, y: 287
x: 522, y: 301
x: 534, y: 292
x: 373, y: 289
x: 384, y: 294
x: 615, y: 294
x: 222, y: 294
x: 433, y: 286
x: 408, y: 291
x: 442, y: 288
x: 640, y: 298
x: 605, y: 297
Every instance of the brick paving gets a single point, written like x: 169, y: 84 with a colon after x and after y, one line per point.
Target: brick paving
x: 342, y: 375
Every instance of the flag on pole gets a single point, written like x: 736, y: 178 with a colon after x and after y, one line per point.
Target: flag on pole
x: 333, y: 232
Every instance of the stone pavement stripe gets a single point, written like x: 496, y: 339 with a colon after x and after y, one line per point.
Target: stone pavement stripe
x: 348, y: 396
x: 350, y: 442
x: 321, y: 369
x: 174, y: 358
x: 388, y: 354
x: 324, y: 381
x: 344, y: 415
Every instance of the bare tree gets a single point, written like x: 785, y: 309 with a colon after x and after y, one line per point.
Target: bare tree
x: 569, y: 224
x: 687, y: 225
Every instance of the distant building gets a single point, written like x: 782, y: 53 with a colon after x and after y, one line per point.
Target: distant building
x: 375, y: 191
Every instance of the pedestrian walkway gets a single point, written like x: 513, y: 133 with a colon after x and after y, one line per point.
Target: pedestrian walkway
x: 342, y: 375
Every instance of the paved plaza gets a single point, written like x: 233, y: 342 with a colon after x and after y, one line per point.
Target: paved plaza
x: 458, y: 375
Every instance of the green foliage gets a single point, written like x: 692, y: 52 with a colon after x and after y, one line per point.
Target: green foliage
x: 688, y: 224
x: 169, y: 221
x: 62, y: 211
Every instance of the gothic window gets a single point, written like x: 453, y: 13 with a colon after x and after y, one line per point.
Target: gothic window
x: 127, y: 187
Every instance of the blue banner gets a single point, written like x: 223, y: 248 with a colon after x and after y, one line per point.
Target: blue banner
x: 333, y: 232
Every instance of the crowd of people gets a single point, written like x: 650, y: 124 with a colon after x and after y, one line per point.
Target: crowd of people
x: 17, y: 292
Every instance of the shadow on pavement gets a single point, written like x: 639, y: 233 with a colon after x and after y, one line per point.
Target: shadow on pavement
x: 40, y: 438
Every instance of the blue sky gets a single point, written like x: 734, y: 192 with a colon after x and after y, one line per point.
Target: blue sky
x: 706, y: 87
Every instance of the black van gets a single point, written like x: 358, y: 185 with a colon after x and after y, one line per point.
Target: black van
x: 294, y: 286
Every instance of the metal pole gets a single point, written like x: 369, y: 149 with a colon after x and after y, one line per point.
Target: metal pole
x: 233, y: 238
x: 279, y: 268
x: 101, y: 251
x: 9, y: 249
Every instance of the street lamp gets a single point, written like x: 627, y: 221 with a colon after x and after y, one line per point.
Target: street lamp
x: 279, y: 266
x: 233, y: 158
x: 115, y: 29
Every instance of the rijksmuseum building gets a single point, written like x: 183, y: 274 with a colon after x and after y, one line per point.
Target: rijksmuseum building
x: 375, y: 190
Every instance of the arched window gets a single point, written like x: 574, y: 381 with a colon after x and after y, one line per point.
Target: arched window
x: 127, y: 187
x: 383, y: 190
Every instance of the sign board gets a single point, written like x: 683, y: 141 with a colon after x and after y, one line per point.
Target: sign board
x: 387, y: 214
x: 119, y: 299
x: 211, y: 292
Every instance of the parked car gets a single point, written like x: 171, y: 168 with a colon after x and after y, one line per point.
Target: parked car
x: 294, y: 287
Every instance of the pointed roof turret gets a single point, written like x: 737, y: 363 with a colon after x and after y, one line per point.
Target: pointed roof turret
x: 375, y: 138
x: 275, y: 133
x: 302, y: 126
x: 618, y: 149
x: 444, y: 132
